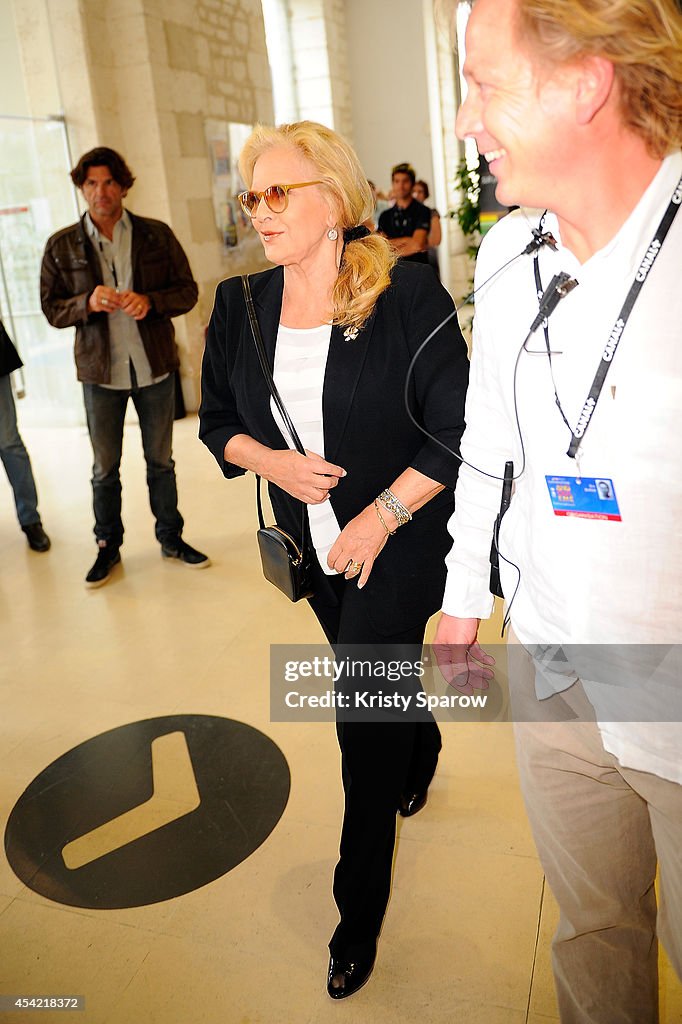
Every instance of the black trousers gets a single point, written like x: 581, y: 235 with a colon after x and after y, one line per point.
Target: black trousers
x: 379, y: 761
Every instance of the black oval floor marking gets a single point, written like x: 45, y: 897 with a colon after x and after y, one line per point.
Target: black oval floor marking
x: 243, y: 783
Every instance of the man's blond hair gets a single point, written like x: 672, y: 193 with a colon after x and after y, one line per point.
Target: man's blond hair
x: 643, y: 40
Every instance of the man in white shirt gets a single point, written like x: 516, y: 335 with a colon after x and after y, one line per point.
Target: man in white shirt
x: 578, y: 111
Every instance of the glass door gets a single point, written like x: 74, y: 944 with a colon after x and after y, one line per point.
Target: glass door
x: 36, y: 199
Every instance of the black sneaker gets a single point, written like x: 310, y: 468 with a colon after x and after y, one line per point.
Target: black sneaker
x: 107, y: 557
x: 176, y: 547
x: 37, y: 539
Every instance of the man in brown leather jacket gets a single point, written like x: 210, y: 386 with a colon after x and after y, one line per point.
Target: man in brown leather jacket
x: 118, y: 279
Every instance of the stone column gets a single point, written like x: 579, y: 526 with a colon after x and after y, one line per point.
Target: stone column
x: 456, y: 266
x: 318, y: 34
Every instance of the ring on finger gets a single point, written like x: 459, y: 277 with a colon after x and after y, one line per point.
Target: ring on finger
x: 353, y: 568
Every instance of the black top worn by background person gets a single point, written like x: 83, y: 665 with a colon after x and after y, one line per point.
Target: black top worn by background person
x: 401, y: 222
x: 366, y: 427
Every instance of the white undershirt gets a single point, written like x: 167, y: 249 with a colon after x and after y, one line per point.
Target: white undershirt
x: 300, y: 364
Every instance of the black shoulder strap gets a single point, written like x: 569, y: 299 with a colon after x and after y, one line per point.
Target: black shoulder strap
x: 267, y: 372
x: 269, y: 379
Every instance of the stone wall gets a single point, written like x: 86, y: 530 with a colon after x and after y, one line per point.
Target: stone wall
x: 142, y: 76
x: 337, y: 48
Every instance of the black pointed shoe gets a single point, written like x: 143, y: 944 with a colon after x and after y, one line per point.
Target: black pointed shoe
x: 412, y: 802
x: 345, y: 978
x: 37, y: 539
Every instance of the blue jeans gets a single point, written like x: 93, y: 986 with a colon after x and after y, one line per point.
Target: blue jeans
x: 15, y: 458
x: 105, y: 409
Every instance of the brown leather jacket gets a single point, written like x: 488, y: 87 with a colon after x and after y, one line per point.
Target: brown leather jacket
x: 71, y: 271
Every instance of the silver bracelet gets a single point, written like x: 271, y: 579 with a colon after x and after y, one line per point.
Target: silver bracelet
x: 395, y: 505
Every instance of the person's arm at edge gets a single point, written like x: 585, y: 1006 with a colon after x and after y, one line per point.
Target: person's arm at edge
x: 440, y: 373
x: 467, y: 597
x: 435, y: 230
x: 218, y: 415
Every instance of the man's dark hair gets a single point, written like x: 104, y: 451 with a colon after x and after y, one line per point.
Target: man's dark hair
x: 407, y: 169
x: 102, y: 156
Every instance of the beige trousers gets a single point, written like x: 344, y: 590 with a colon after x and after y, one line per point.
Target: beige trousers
x: 599, y: 829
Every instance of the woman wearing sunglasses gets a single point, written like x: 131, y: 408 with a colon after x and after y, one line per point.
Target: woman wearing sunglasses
x: 341, y: 321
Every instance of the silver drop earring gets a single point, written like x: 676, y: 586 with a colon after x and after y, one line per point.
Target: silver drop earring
x: 332, y: 234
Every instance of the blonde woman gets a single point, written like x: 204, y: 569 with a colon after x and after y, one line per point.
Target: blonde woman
x: 340, y: 322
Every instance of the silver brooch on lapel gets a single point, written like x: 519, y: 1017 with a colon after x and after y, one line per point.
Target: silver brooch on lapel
x: 351, y: 333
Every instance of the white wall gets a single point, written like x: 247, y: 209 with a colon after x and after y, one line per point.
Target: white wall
x: 389, y: 100
x: 12, y: 93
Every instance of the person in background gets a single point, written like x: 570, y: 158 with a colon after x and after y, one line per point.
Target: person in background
x: 571, y: 103
x: 341, y: 321
x: 421, y: 194
x: 407, y: 223
x: 119, y: 279
x: 13, y: 451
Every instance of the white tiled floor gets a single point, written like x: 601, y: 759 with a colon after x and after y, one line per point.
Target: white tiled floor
x: 250, y: 948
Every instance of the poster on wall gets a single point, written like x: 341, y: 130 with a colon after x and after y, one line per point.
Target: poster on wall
x: 225, y: 140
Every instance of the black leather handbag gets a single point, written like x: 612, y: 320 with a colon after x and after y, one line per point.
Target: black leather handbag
x: 285, y: 561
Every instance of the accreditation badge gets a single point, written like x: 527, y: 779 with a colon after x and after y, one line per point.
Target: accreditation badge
x: 586, y: 497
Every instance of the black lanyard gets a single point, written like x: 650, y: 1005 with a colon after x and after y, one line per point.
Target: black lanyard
x: 618, y: 328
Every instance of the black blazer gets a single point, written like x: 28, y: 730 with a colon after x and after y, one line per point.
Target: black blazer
x: 367, y: 430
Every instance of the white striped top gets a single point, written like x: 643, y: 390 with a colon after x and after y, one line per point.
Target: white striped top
x: 300, y: 364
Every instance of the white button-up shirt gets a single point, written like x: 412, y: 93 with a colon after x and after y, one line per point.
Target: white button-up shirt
x: 582, y: 581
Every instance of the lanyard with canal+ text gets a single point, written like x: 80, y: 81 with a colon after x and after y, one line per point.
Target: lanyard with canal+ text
x: 616, y: 334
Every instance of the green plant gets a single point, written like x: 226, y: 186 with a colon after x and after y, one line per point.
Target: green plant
x: 468, y: 213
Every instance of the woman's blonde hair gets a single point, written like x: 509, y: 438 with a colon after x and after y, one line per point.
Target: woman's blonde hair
x: 642, y: 38
x: 366, y: 264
